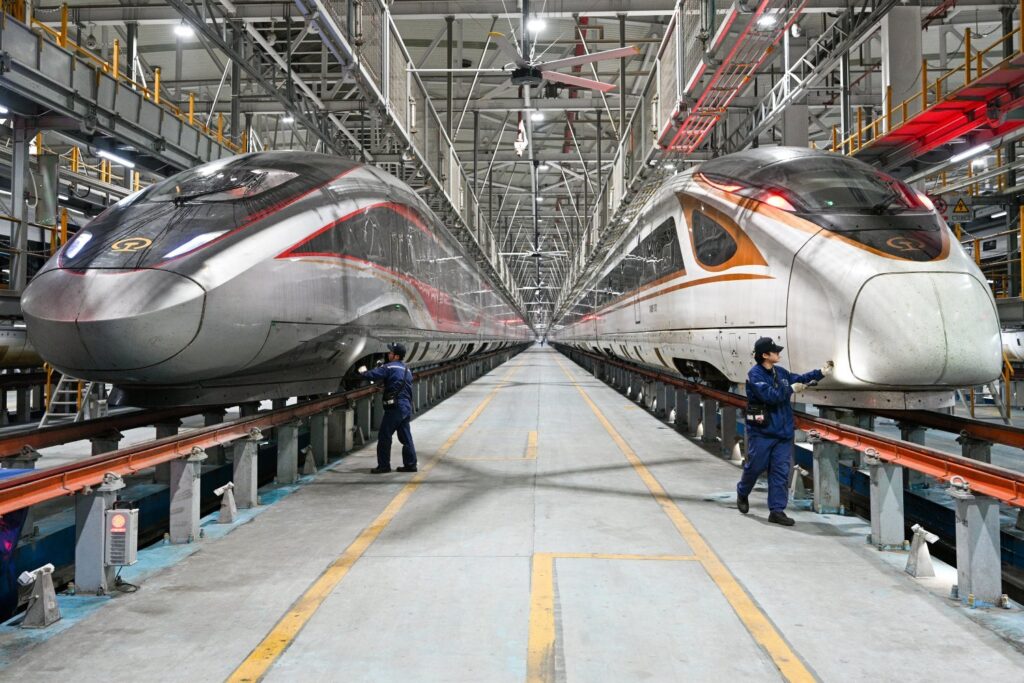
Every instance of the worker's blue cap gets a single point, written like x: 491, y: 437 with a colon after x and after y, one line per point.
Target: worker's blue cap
x: 766, y: 345
x: 398, y: 349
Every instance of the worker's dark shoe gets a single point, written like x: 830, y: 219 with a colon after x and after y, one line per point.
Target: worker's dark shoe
x: 779, y: 517
x: 380, y: 470
x: 403, y: 468
x: 742, y: 504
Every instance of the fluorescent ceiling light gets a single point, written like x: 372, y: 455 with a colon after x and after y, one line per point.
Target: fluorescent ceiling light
x: 183, y: 30
x: 287, y: 118
x: 537, y: 116
x: 536, y: 25
x: 4, y: 110
x: 113, y: 158
x: 767, y: 21
x: 540, y: 199
x: 972, y: 152
x: 1001, y: 214
x: 62, y: 197
x: 543, y: 166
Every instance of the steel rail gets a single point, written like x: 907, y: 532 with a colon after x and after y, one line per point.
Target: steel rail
x: 990, y: 480
x: 37, y: 487
x: 976, y: 429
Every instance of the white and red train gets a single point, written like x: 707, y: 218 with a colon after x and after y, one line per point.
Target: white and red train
x: 260, y: 276
x: 832, y: 258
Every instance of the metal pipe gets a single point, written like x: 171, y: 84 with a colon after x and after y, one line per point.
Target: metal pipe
x: 622, y: 77
x: 449, y: 22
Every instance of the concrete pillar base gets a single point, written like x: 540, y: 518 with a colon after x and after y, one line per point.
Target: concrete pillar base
x: 91, y: 573
x: 886, y: 505
x: 245, y: 469
x: 185, y: 473
x: 978, y: 567
x: 288, y: 453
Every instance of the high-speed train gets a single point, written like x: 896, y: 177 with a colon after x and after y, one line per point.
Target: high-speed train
x: 832, y: 258
x: 265, y: 275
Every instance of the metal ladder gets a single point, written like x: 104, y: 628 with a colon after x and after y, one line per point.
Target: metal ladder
x: 70, y: 402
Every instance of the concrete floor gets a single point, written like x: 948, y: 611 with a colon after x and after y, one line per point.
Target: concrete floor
x: 603, y: 548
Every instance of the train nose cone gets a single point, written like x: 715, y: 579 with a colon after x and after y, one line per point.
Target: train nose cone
x: 111, y: 320
x: 921, y: 329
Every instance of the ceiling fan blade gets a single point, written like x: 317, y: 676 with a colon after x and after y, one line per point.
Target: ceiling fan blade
x: 507, y: 48
x: 617, y: 53
x: 576, y: 81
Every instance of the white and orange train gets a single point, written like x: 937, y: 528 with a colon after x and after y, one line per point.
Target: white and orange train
x: 832, y: 258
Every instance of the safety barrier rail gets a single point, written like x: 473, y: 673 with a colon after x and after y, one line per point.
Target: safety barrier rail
x: 997, y: 482
x: 37, y: 487
x: 932, y: 92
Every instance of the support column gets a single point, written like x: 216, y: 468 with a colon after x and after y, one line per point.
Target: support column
x: 213, y: 417
x: 886, y: 504
x: 23, y: 405
x: 19, y: 175
x: 288, y: 452
x: 902, y: 55
x: 162, y: 473
x: 681, y: 417
x: 91, y: 573
x: 362, y: 415
x: 975, y: 449
x: 246, y: 469
x: 709, y: 419
x: 666, y: 399
x: 827, y: 499
x: 914, y: 434
x: 106, y: 443
x: 318, y: 438
x: 728, y: 430
x: 248, y: 409
x: 185, y: 474
x: 978, y: 568
x: 693, y: 412
x: 340, y: 422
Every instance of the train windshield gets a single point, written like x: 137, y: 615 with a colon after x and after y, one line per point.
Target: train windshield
x: 196, y: 207
x: 840, y: 194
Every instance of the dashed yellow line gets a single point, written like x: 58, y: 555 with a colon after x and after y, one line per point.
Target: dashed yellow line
x: 753, y: 619
x: 530, y: 454
x: 284, y: 632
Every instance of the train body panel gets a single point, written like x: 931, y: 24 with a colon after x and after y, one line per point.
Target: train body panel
x: 883, y: 292
x: 268, y: 297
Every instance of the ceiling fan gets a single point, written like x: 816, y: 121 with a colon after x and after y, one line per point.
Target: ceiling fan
x: 529, y: 72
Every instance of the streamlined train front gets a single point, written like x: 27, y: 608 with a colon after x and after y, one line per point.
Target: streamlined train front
x: 260, y: 276
x: 833, y: 258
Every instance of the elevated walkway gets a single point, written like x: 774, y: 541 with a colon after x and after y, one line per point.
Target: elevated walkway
x: 555, y: 531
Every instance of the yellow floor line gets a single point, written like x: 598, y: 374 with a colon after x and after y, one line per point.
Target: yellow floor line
x: 283, y: 634
x: 755, y: 621
x: 531, y: 453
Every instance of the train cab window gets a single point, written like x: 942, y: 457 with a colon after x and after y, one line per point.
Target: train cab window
x: 988, y: 245
x: 712, y: 243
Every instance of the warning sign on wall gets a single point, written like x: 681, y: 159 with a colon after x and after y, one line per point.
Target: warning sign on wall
x: 961, y: 212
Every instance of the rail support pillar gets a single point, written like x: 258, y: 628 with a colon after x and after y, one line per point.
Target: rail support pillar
x: 23, y: 407
x: 975, y: 449
x: 709, y: 420
x: 318, y: 438
x: 886, y: 504
x: 162, y: 472
x: 185, y: 473
x: 340, y: 423
x: 978, y: 569
x: 216, y: 454
x: 362, y: 410
x: 246, y: 468
x: 105, y: 443
x: 680, y: 410
x: 915, y: 434
x: 24, y: 460
x: 288, y: 452
x: 91, y: 573
x: 826, y: 477
x: 278, y: 403
x: 248, y: 409
x: 378, y: 412
x: 728, y: 429
x: 693, y: 410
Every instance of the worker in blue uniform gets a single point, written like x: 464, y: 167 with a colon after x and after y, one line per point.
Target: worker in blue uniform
x: 770, y: 427
x: 397, y: 383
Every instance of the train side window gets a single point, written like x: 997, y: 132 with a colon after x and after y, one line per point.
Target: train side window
x: 713, y: 244
x: 988, y: 245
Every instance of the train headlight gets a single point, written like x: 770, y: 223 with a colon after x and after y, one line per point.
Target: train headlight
x: 194, y: 243
x: 926, y: 200
x: 76, y: 245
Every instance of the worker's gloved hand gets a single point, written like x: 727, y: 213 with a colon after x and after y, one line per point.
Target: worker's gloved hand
x: 828, y: 369
x: 798, y: 387
x: 362, y: 369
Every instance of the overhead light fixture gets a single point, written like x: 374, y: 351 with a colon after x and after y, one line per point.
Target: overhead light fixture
x: 537, y: 116
x: 543, y: 166
x: 113, y: 158
x: 539, y: 199
x: 287, y: 118
x: 63, y: 197
x: 183, y: 30
x: 972, y: 152
x: 4, y: 110
x: 670, y: 167
x: 767, y: 21
x: 1001, y: 214
x: 535, y: 25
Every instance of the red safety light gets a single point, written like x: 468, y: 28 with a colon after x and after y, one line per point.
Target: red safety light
x: 118, y: 523
x: 778, y: 201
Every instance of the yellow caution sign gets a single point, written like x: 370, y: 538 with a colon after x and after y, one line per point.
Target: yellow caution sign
x: 961, y: 211
x: 961, y: 207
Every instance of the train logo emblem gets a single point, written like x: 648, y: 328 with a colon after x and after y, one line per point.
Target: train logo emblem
x: 130, y: 244
x: 905, y: 244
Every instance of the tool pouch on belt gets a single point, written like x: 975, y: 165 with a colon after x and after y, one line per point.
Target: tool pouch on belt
x: 390, y: 399
x: 756, y: 413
